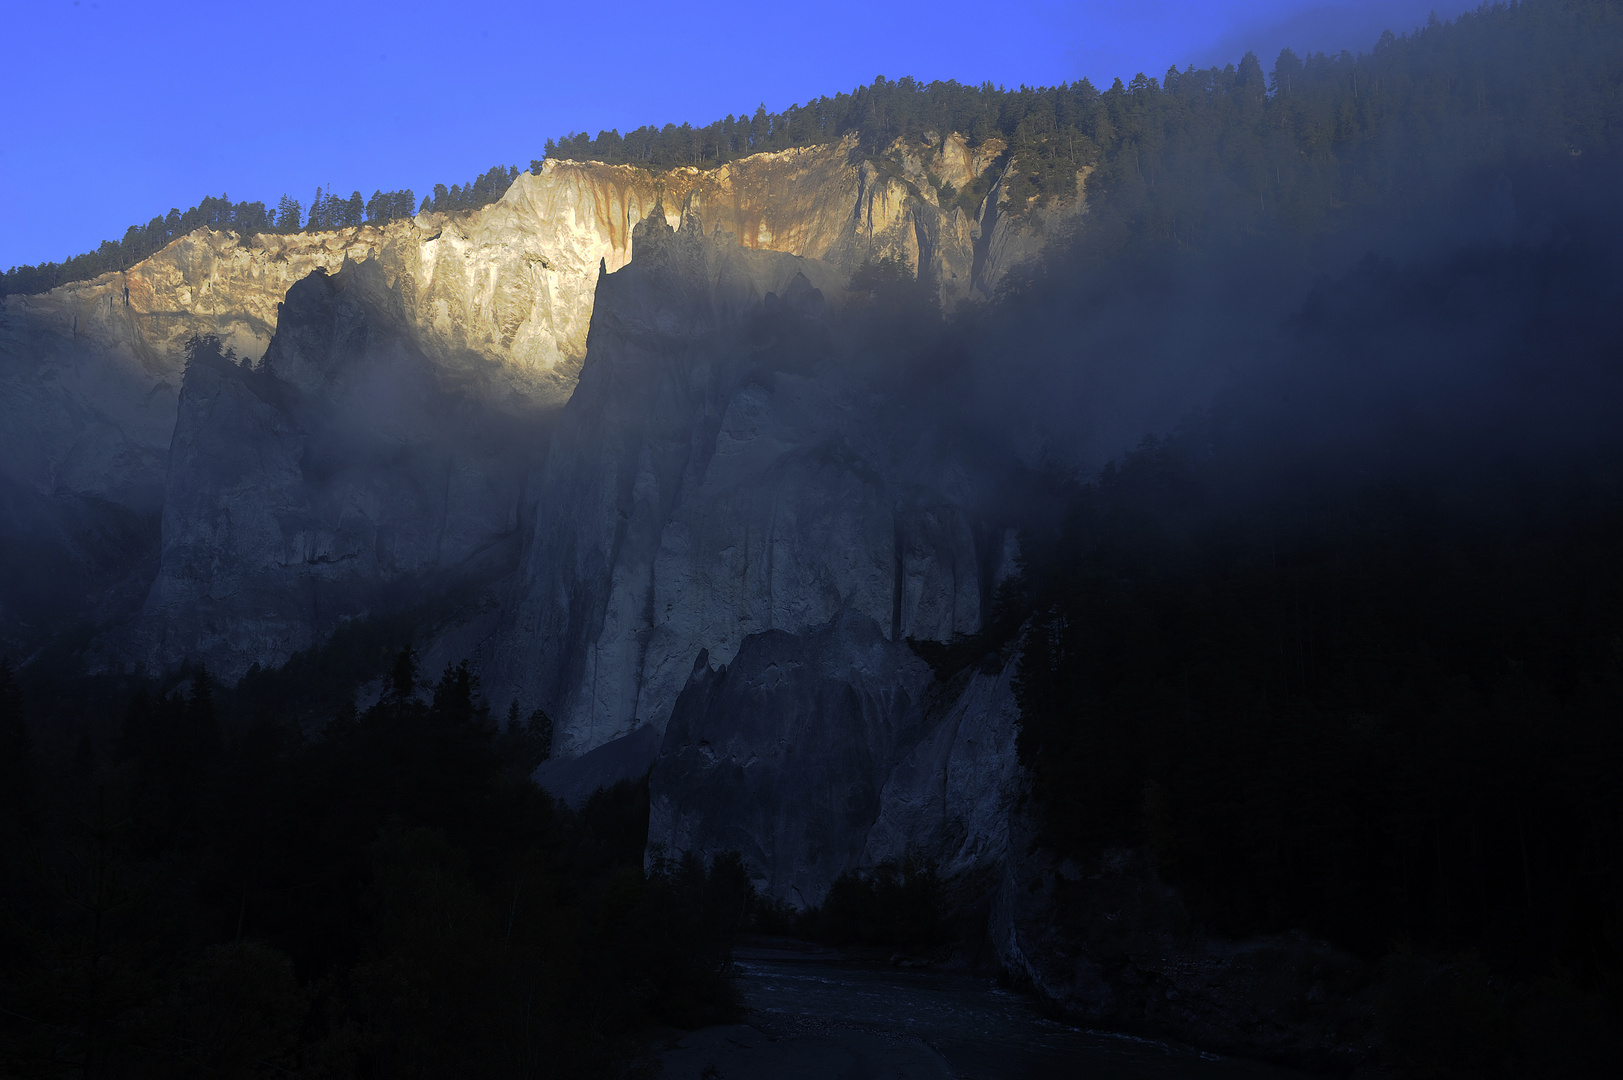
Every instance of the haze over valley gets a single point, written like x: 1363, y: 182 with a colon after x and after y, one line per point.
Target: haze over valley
x: 1151, y: 545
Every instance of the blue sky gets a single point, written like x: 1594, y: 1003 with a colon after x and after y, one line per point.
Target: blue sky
x: 120, y: 109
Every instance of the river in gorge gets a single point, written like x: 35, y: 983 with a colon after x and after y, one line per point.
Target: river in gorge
x: 813, y: 1013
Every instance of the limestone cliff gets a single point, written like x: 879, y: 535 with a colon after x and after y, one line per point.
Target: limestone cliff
x: 782, y: 755
x: 834, y: 749
x: 92, y: 369
x: 91, y: 372
x: 727, y: 465
x: 347, y: 473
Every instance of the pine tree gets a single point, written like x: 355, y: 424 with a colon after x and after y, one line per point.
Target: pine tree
x: 288, y: 213
x: 540, y: 731
x: 403, y: 676
x: 15, y: 746
x: 760, y: 127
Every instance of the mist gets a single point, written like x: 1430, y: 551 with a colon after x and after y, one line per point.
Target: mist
x: 1155, y: 546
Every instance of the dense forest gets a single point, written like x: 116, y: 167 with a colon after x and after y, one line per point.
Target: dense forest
x: 381, y: 894
x: 1296, y: 140
x: 1343, y: 649
x: 1348, y: 658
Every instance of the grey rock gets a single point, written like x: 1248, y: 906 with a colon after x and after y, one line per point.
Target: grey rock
x: 348, y: 474
x: 68, y: 562
x: 574, y: 780
x: 835, y: 749
x: 950, y: 798
x: 783, y: 755
x: 726, y: 466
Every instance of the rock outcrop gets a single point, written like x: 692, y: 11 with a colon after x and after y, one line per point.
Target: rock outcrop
x: 951, y: 797
x: 727, y: 465
x: 817, y: 753
x: 782, y: 755
x: 91, y: 372
x: 1110, y: 945
x: 344, y: 474
x: 831, y: 750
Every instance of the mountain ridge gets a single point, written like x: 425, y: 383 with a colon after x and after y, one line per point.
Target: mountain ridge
x: 94, y: 370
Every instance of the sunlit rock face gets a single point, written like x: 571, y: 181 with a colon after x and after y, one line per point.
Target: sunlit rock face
x: 347, y: 473
x: 92, y: 375
x: 91, y: 370
x: 726, y: 466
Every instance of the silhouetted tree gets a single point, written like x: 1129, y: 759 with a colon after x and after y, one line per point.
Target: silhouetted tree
x: 288, y: 214
x: 403, y: 676
x: 15, y: 750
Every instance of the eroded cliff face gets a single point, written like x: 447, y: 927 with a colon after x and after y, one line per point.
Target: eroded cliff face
x: 91, y: 372
x: 93, y: 368
x: 727, y: 465
x: 782, y: 755
x: 347, y: 473
x: 836, y: 749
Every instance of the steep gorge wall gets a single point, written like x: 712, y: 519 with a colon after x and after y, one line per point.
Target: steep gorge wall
x: 348, y: 473
x: 728, y: 465
x: 91, y: 370
x: 91, y: 373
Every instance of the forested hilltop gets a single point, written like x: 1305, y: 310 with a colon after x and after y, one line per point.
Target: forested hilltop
x: 1301, y: 143
x: 328, y: 210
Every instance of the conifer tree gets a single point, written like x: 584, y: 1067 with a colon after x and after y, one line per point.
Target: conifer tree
x: 15, y: 746
x: 288, y: 214
x: 403, y: 676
